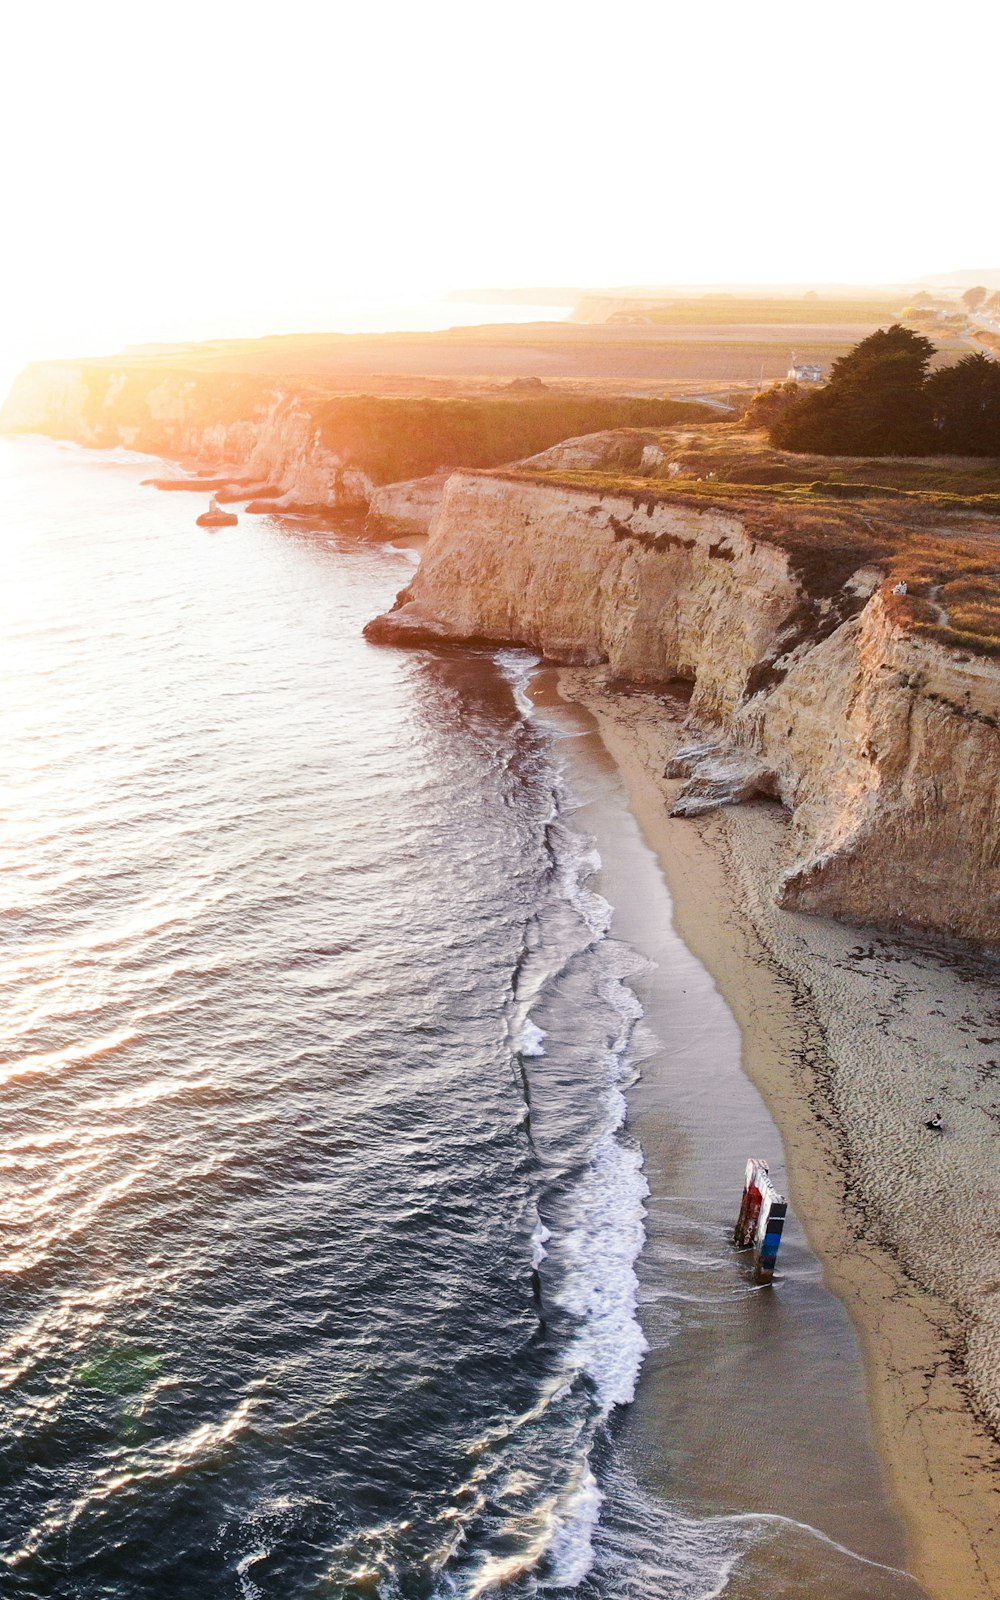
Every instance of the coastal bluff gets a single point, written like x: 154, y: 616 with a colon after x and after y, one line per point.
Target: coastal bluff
x: 832, y: 649
x: 807, y: 682
x: 276, y: 422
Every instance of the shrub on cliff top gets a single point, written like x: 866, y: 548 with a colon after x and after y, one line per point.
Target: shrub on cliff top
x: 768, y: 405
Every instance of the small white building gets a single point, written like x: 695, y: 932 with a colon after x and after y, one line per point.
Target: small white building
x: 805, y: 372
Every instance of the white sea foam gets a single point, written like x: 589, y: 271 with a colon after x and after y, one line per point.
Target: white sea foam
x: 576, y: 862
x: 539, y: 1238
x: 606, y: 1228
x: 248, y: 1588
x: 600, y: 1286
x: 114, y: 455
x: 649, y: 1549
x: 571, y: 1546
x: 517, y: 667
x: 600, y: 1229
x: 532, y: 1039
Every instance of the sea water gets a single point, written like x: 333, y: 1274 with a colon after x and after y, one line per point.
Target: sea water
x: 320, y: 1210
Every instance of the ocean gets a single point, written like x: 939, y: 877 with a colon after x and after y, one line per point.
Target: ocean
x: 321, y: 1209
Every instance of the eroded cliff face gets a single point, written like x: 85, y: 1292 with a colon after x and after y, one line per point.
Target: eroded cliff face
x: 887, y: 748
x: 273, y: 439
x: 884, y: 746
x: 408, y: 507
x: 282, y: 448
x: 658, y: 592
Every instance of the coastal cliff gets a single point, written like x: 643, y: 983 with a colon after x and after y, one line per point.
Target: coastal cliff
x: 315, y: 449
x: 260, y: 434
x: 807, y: 683
x: 872, y: 718
x: 587, y: 578
x: 886, y: 747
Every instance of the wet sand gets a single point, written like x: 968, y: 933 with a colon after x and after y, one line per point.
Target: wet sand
x: 851, y: 1040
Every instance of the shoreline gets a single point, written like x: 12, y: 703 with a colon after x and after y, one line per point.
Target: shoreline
x: 943, y: 1464
x: 852, y: 1105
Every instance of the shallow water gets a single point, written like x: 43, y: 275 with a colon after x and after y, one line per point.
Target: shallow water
x: 746, y: 1466
x: 319, y: 1211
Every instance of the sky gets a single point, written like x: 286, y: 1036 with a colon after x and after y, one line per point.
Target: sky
x: 178, y: 171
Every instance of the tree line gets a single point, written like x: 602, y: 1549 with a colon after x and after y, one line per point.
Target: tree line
x: 882, y: 399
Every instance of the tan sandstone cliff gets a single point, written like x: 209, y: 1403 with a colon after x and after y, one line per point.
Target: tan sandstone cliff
x: 884, y: 745
x: 382, y: 455
x: 272, y: 440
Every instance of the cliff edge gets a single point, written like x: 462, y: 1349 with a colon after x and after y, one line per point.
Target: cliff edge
x: 812, y: 677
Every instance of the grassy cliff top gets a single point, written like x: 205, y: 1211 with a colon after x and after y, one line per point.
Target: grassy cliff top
x: 932, y: 523
x: 728, y: 462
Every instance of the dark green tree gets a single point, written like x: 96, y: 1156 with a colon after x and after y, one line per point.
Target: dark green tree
x: 965, y: 406
x: 874, y: 403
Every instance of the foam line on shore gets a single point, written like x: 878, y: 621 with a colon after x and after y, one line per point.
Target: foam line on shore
x: 845, y: 1032
x: 602, y: 1216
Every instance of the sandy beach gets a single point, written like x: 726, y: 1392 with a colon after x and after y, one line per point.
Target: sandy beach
x: 853, y: 1039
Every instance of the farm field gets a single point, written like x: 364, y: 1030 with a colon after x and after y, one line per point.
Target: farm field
x: 469, y: 359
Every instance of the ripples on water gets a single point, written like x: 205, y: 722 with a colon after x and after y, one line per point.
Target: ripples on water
x: 318, y: 1215
x: 299, y: 1287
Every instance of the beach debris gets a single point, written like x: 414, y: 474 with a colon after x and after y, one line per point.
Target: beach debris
x: 761, y: 1220
x: 719, y: 776
x: 935, y: 1122
x: 683, y: 762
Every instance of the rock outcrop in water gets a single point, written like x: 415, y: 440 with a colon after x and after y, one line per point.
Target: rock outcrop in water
x: 883, y: 744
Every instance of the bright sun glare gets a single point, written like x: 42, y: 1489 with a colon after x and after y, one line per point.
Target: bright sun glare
x: 219, y: 169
